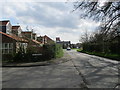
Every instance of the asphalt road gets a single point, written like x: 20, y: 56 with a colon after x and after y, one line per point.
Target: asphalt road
x: 97, y: 72
x: 80, y: 71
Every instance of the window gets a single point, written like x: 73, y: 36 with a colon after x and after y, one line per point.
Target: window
x: 7, y: 48
x: 6, y: 45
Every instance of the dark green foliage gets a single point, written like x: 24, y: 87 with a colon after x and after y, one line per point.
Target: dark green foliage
x: 52, y: 51
x: 5, y: 57
x: 48, y: 52
x: 21, y: 56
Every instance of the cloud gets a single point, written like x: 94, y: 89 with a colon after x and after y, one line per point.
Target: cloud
x: 50, y: 18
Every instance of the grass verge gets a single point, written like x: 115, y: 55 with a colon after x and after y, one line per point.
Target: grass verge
x: 105, y: 55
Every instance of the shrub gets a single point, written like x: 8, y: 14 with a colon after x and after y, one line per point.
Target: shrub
x: 52, y: 51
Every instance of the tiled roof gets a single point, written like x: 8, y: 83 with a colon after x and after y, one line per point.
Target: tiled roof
x: 37, y: 42
x: 14, y: 37
x: 3, y: 23
x: 15, y: 27
x: 48, y: 37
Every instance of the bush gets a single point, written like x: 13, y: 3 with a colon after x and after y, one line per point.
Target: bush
x: 52, y: 51
x: 58, y: 51
x: 48, y: 52
x: 7, y: 57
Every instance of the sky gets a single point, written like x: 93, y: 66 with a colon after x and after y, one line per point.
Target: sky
x: 54, y: 19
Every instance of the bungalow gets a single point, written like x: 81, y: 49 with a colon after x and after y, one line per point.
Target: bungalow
x: 11, y: 43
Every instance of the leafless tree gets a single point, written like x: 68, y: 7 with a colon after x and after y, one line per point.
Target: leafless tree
x: 108, y: 13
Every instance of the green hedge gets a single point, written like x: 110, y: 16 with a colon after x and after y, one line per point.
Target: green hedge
x: 52, y: 51
x: 48, y: 52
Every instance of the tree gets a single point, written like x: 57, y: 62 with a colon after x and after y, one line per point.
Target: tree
x: 108, y: 13
x: 85, y: 37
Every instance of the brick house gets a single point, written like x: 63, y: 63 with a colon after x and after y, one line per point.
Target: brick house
x: 31, y: 37
x: 45, y: 39
x: 12, y: 43
x: 17, y: 30
x: 27, y: 34
x: 5, y: 26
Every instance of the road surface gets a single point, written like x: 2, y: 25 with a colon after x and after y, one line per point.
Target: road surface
x: 97, y: 72
x: 81, y: 71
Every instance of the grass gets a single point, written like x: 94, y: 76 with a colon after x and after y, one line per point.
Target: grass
x: 59, y: 53
x: 106, y: 55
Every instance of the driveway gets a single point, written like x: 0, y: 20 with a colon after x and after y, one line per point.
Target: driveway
x: 80, y: 71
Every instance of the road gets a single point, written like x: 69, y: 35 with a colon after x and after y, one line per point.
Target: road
x: 80, y: 71
x: 97, y: 72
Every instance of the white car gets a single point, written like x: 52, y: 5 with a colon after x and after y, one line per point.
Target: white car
x: 68, y: 48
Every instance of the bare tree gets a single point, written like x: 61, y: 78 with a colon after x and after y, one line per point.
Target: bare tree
x: 108, y: 13
x: 85, y: 37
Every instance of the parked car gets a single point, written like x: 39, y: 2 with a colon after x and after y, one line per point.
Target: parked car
x: 68, y: 48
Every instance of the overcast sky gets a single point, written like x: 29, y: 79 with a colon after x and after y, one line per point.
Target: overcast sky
x: 54, y: 19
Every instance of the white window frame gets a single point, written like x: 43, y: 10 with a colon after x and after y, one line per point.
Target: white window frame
x: 8, y: 48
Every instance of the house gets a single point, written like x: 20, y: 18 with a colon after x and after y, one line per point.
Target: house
x: 5, y: 26
x: 28, y: 34
x: 32, y: 38
x: 17, y: 30
x: 11, y: 43
x: 45, y: 39
x: 64, y: 44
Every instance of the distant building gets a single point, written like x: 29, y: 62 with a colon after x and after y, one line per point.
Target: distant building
x: 64, y: 44
x: 45, y: 39
x: 58, y: 39
x: 5, y: 26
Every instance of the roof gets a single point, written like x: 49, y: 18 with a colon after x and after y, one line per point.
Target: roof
x: 3, y: 23
x: 48, y: 37
x: 14, y: 37
x: 37, y: 42
x: 15, y: 27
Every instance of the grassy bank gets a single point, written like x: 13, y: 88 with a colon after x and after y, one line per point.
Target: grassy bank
x: 106, y: 55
